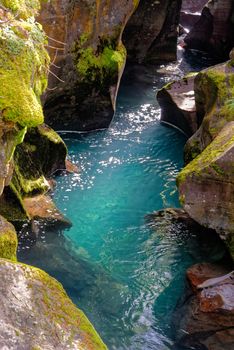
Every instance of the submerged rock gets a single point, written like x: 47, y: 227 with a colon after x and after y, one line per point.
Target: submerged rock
x: 8, y: 240
x: 204, y: 318
x: 41, y: 208
x: 151, y: 33
x: 177, y: 102
x: 37, y: 314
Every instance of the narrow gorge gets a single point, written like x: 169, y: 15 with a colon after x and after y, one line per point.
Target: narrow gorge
x: 117, y: 174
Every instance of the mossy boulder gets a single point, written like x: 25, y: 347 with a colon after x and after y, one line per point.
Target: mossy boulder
x: 214, y: 96
x: 38, y: 157
x: 8, y: 240
x: 206, y: 186
x: 36, y: 313
x: 41, y: 154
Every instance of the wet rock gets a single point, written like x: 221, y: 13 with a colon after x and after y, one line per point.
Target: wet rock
x: 177, y: 102
x: 206, y: 186
x: 188, y: 20
x: 193, y: 5
x: 71, y: 167
x: 151, y: 33
x: 214, y: 30
x: 177, y: 224
x: 8, y: 240
x: 41, y: 208
x: 37, y: 314
x: 204, y: 318
x: 88, y: 59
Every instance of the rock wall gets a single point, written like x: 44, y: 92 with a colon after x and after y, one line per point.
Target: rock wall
x: 88, y: 57
x: 202, y: 105
x: 214, y: 30
x: 85, y: 43
x: 151, y: 34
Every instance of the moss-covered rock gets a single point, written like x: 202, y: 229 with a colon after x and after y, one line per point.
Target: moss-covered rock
x: 36, y: 313
x: 8, y: 240
x: 206, y: 186
x: 23, y: 64
x: 10, y: 136
x: 214, y: 96
x: 87, y: 68
x: 41, y: 154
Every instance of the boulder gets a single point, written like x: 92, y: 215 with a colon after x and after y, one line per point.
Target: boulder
x: 8, y: 240
x: 41, y: 208
x: 204, y: 318
x: 88, y: 59
x: 36, y: 313
x: 151, y: 33
x: 214, y: 30
x: 177, y: 102
x: 206, y: 186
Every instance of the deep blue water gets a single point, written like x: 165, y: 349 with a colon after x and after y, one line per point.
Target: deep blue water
x: 125, y: 275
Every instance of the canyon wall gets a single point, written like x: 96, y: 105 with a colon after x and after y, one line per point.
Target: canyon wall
x: 88, y: 56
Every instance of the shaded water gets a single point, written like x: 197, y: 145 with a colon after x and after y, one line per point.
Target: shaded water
x: 126, y: 276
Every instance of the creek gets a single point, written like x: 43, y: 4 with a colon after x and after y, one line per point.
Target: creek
x: 125, y: 275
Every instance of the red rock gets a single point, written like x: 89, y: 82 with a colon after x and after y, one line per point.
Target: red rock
x: 205, y: 318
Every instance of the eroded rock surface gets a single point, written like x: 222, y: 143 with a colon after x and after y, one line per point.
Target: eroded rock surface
x: 85, y: 43
x: 214, y: 30
x: 37, y: 314
x: 151, y: 33
x: 206, y: 186
x: 177, y: 102
x: 204, y: 318
x: 214, y: 92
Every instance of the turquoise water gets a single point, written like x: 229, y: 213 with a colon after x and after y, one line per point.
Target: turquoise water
x: 124, y: 274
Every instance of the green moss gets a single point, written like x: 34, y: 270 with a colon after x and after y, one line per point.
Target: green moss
x: 23, y: 8
x: 99, y: 66
x: 54, y: 304
x: 8, y: 240
x: 23, y: 70
x: 207, y: 160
